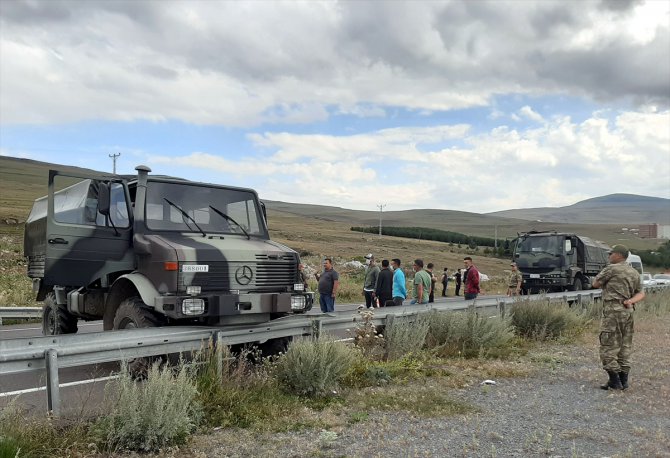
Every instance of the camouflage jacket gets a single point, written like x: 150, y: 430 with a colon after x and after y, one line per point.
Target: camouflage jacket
x: 619, y: 282
x: 514, y: 279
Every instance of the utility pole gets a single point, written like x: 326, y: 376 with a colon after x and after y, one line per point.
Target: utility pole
x: 496, y: 239
x: 114, y: 156
x: 381, y: 208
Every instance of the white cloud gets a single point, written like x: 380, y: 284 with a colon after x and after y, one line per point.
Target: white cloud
x: 242, y: 64
x: 557, y: 163
x: 529, y: 113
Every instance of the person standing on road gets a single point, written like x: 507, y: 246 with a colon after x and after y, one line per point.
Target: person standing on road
x: 458, y: 276
x: 445, y: 282
x: 621, y: 291
x: 433, y: 281
x: 471, y: 279
x: 399, y: 283
x: 384, y: 289
x: 421, y: 283
x: 370, y: 282
x: 514, y: 281
x: 329, y: 283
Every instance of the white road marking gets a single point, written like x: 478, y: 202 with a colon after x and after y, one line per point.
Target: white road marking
x: 61, y: 385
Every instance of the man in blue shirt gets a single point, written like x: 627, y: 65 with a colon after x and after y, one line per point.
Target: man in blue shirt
x: 399, y: 285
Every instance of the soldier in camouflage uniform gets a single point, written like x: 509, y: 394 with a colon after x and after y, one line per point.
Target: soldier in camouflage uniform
x: 621, y: 291
x: 514, y: 281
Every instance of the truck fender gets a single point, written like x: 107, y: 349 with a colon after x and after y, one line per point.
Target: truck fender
x: 128, y: 285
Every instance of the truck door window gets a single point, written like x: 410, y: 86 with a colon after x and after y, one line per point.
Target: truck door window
x: 78, y: 203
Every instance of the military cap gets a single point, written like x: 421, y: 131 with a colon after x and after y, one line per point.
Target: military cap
x: 620, y: 249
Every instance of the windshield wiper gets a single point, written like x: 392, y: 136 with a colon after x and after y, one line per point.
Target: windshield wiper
x: 228, y: 218
x: 184, y: 214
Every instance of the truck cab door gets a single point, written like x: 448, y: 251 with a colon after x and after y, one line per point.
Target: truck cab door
x: 85, y: 246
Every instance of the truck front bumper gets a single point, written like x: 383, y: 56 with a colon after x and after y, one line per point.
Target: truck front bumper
x: 209, y: 305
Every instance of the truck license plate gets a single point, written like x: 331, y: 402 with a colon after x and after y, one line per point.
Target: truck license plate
x: 534, y: 275
x: 195, y: 268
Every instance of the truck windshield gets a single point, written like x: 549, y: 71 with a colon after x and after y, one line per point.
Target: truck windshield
x: 166, y: 201
x: 540, y: 251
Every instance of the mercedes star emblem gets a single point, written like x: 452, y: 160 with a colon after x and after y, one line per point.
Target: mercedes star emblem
x: 243, y: 275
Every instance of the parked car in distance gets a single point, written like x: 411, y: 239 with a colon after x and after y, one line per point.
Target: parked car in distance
x: 647, y: 280
x: 662, y: 279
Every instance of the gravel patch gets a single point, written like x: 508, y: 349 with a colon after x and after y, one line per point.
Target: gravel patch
x: 557, y: 411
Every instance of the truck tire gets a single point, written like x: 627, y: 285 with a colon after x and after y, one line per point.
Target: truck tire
x: 56, y: 319
x: 577, y: 285
x: 134, y: 314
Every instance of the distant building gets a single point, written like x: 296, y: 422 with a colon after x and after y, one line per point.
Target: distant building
x: 654, y: 231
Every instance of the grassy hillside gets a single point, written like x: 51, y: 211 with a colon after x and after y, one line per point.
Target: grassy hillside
x: 22, y: 180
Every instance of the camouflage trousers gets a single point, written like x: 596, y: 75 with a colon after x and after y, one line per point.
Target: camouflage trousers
x: 616, y: 339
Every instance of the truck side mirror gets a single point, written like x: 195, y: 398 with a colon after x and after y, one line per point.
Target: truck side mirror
x: 568, y: 246
x: 104, y: 199
x: 265, y: 212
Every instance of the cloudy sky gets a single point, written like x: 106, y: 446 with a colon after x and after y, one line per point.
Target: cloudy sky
x: 477, y: 105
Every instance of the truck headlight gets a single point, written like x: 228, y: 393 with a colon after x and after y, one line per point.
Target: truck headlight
x: 193, y: 306
x: 298, y: 287
x: 298, y: 302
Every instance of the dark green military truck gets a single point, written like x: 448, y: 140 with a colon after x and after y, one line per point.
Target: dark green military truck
x: 557, y: 261
x: 142, y: 251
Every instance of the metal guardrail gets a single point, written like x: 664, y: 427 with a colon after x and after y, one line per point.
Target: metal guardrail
x: 50, y: 353
x: 20, y: 313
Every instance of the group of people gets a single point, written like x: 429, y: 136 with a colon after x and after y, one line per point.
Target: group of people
x: 620, y: 283
x: 386, y: 285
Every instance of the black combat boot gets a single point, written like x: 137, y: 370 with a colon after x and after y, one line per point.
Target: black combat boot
x: 623, y: 376
x: 614, y: 383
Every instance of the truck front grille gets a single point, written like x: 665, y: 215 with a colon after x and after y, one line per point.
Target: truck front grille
x: 269, y: 276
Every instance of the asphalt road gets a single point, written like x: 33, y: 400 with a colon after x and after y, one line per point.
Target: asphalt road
x: 84, y: 399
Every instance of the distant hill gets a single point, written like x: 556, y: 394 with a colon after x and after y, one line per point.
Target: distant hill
x: 23, y: 180
x: 630, y: 209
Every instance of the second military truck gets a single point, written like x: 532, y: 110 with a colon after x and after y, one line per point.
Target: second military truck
x: 557, y: 261
x: 143, y: 251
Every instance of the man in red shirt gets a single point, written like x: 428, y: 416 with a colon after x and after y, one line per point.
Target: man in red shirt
x: 471, y: 279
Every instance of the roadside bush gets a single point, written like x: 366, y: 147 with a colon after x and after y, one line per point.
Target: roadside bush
x: 314, y: 367
x: 25, y: 435
x: 543, y: 320
x: 468, y: 334
x: 406, y: 335
x: 147, y: 416
x: 367, y: 337
x: 241, y: 394
x: 656, y: 303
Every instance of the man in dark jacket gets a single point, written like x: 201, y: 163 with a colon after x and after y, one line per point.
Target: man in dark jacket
x: 384, y: 290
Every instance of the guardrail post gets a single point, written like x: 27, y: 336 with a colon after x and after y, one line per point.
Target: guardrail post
x: 317, y: 326
x: 565, y: 299
x: 219, y: 354
x: 501, y: 308
x: 53, y: 394
x: 388, y: 322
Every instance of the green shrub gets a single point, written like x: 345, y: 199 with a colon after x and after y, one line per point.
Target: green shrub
x: 314, y: 367
x: 368, y: 338
x: 237, y: 393
x: 656, y: 303
x: 147, y: 416
x: 543, y: 320
x: 406, y: 335
x: 26, y: 435
x: 468, y: 334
